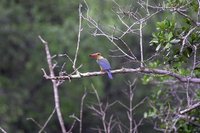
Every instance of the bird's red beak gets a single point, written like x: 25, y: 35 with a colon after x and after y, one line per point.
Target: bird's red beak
x: 93, y: 55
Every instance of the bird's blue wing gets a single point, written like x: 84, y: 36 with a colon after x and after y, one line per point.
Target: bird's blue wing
x: 104, y: 64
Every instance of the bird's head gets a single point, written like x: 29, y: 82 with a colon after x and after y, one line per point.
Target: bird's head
x: 95, y: 55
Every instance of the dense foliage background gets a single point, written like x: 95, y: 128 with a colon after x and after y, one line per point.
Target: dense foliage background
x: 26, y: 96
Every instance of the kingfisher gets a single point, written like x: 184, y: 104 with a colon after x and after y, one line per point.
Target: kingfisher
x: 103, y: 63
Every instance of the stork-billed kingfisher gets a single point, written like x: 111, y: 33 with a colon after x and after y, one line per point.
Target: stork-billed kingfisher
x: 103, y: 63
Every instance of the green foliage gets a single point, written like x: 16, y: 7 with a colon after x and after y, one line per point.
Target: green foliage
x: 164, y: 35
x: 176, y: 3
x: 189, y: 124
x: 167, y: 41
x: 24, y: 93
x: 146, y: 79
x: 152, y: 113
x: 194, y: 5
x: 22, y: 86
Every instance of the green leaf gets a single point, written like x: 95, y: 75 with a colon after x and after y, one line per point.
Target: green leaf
x: 155, y: 40
x: 168, y: 46
x: 170, y: 35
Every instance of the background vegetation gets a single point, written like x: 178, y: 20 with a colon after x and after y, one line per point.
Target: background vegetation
x: 26, y: 97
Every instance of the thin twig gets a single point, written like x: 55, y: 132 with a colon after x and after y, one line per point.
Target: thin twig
x: 192, y: 107
x: 34, y: 121
x: 110, y: 38
x: 128, y: 48
x: 185, y: 38
x: 47, y: 120
x: 81, y: 112
x: 186, y: 16
x: 72, y: 126
x: 137, y: 125
x: 194, y: 60
x: 101, y: 110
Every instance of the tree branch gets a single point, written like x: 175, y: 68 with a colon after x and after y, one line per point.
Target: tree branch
x: 81, y: 112
x: 94, y: 24
x: 181, y: 78
x: 79, y: 36
x: 185, y: 38
x: 55, y: 85
x: 141, y: 44
x: 192, y: 107
x: 3, y: 131
x: 49, y: 118
x: 36, y: 123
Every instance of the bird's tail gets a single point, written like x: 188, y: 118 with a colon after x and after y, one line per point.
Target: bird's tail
x: 109, y: 74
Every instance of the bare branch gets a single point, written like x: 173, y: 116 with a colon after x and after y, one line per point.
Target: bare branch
x: 110, y: 124
x: 110, y: 38
x: 185, y: 38
x: 191, y: 74
x: 130, y: 70
x: 137, y: 125
x: 72, y: 126
x: 47, y: 120
x: 55, y: 85
x: 74, y: 117
x: 34, y: 121
x: 130, y: 111
x: 101, y: 111
x: 81, y: 111
x: 79, y: 36
x: 141, y: 45
x: 2, y: 130
x: 192, y: 107
x: 186, y: 16
x: 138, y: 104
x: 194, y: 60
x: 127, y: 48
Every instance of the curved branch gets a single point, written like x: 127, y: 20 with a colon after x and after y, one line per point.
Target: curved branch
x: 181, y: 78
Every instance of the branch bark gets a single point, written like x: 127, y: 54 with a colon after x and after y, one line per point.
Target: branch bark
x: 55, y: 85
x: 49, y: 118
x: 141, y: 44
x: 194, y: 106
x: 181, y: 78
x: 78, y: 42
x: 3, y: 131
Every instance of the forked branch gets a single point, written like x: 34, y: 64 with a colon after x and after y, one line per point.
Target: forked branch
x: 55, y: 85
